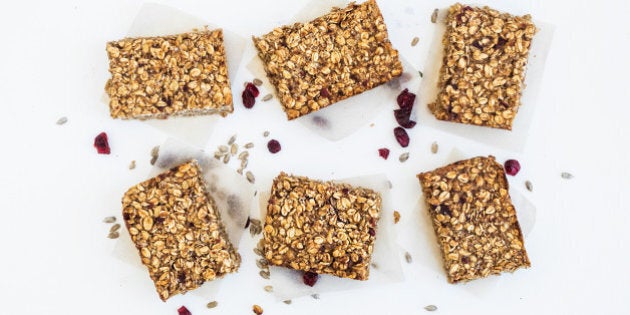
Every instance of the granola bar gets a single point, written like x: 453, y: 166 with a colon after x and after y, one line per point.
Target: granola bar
x: 474, y: 219
x: 343, y: 53
x: 158, y: 77
x: 177, y: 230
x: 482, y: 74
x: 321, y: 227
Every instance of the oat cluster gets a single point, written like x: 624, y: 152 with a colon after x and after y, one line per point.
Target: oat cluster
x: 482, y: 74
x: 343, y: 53
x: 321, y: 227
x: 176, y: 228
x: 158, y: 77
x: 474, y: 219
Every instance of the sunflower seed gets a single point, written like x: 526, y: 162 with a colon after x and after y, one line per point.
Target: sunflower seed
x: 255, y: 227
x: 434, y: 147
x: 266, y: 134
x: 244, y: 164
x: 243, y: 155
x: 286, y: 302
x: 421, y: 74
x: 233, y: 149
x: 315, y: 296
x: 240, y: 171
x: 223, y: 148
x: 226, y: 158
x: 257, y: 82
x: 529, y: 185
x: 257, y: 251
x: 408, y: 258
x: 132, y: 165
x: 218, y: 155
x: 374, y: 265
x: 110, y: 219
x: 113, y: 235
x: 404, y: 157
x: 566, y: 175
x: 264, y: 274
x: 155, y: 153
x: 434, y: 15
x: 268, y: 288
x: 114, y: 228
x: 247, y: 222
x: 267, y: 97
x: 62, y: 120
x: 250, y: 177
x: 232, y: 139
x: 249, y: 145
x: 212, y: 304
x: 415, y: 41
x: 430, y: 308
x: 264, y: 263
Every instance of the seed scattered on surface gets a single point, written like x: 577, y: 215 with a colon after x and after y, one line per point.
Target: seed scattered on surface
x: 249, y: 145
x: 226, y: 159
x: 102, y: 144
x: 267, y: 97
x: 183, y: 311
x: 374, y: 265
x: 247, y: 222
x: 231, y: 140
x: 257, y: 251
x: 113, y: 235
x: 404, y: 157
x: 396, y: 216
x: 255, y: 227
x: 408, y: 258
x: 274, y: 146
x: 132, y: 165
x: 415, y: 41
x: 512, y: 167
x: 243, y: 155
x: 566, y: 175
x: 529, y: 185
x: 434, y: 15
x: 250, y: 177
x: 268, y: 288
x: 287, y: 302
x: 389, y: 184
x: 234, y: 149
x: 315, y: 296
x: 223, y: 148
x: 264, y: 274
x: 421, y: 74
x: 434, y: 147
x: 212, y: 304
x: 430, y: 308
x: 110, y: 219
x: 266, y: 134
x: 62, y: 120
x: 155, y: 153
x: 114, y: 228
x: 257, y: 82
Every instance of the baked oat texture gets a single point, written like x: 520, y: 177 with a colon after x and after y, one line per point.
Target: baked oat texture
x: 178, y: 75
x: 176, y: 228
x: 474, y: 219
x: 322, y: 227
x: 483, y: 68
x: 343, y: 53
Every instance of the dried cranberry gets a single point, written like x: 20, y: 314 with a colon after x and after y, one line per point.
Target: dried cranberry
x: 252, y: 89
x: 248, y: 99
x: 310, y: 278
x: 274, y: 146
x: 324, y: 93
x: 101, y: 144
x: 372, y: 232
x: 183, y: 311
x: 405, y: 99
x: 402, y: 117
x: 512, y: 167
x: 401, y: 136
x: 500, y: 43
x: 384, y: 153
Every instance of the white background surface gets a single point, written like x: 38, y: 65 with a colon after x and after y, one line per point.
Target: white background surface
x: 55, y: 189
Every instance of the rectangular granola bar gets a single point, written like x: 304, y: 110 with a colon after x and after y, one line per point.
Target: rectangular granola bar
x: 158, y: 77
x: 343, y: 53
x: 474, y: 219
x: 177, y: 230
x: 321, y: 227
x: 483, y: 69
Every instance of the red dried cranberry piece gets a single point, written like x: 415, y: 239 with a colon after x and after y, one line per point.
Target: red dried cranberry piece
x: 512, y: 167
x: 372, y: 232
x: 248, y: 99
x: 401, y: 136
x: 101, y: 144
x: 183, y: 311
x: 384, y: 153
x: 252, y: 89
x: 310, y: 278
x: 402, y: 117
x: 406, y: 99
x: 324, y: 93
x: 274, y: 146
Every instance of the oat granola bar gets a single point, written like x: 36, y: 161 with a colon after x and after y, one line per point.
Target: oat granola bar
x: 321, y: 227
x: 483, y: 69
x: 178, y: 75
x: 176, y: 228
x: 474, y: 219
x: 343, y: 53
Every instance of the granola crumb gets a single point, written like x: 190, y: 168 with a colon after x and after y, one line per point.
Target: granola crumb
x: 257, y: 309
x: 132, y: 165
x: 396, y: 216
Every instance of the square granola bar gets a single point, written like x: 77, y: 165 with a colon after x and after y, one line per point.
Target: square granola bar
x: 343, y: 53
x: 483, y: 68
x: 158, y: 77
x: 321, y: 227
x: 474, y: 219
x: 177, y: 229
